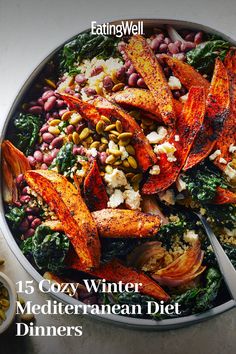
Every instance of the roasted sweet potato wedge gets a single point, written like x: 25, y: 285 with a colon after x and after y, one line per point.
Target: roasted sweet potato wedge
x: 14, y: 163
x: 217, y: 110
x: 115, y: 271
x: 68, y: 205
x: 122, y: 223
x: 187, y: 127
x: 143, y: 99
x: 228, y: 136
x: 94, y: 189
x: 144, y: 152
x: 224, y: 196
x: 187, y: 75
x: 146, y: 64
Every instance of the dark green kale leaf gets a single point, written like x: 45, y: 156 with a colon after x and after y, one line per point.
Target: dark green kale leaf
x: 86, y: 46
x: 203, y: 56
x: 27, y: 128
x: 14, y: 216
x: 210, y: 258
x: 48, y: 248
x: 222, y: 215
x: 203, y: 181
x: 169, y: 231
x: 65, y: 159
x: 112, y: 248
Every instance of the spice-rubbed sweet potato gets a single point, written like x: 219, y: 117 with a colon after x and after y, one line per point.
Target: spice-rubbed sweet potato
x: 224, y: 196
x: 187, y: 75
x: 122, y: 223
x: 68, y: 205
x: 147, y: 65
x: 143, y: 151
x: 187, y: 127
x: 94, y: 189
x: 228, y: 135
x: 143, y: 99
x: 217, y: 109
x: 115, y: 271
x: 119, y: 223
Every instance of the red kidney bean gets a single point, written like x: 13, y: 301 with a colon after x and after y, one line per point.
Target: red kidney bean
x: 167, y: 40
x: 38, y: 156
x: 198, y: 37
x: 186, y: 46
x: 19, y: 179
x: 131, y: 70
x: 78, y: 95
x: 57, y: 142
x: 155, y: 44
x: 24, y: 191
x: 54, y: 153
x: 47, y: 137
x: 62, y: 111
x: 78, y: 150
x: 121, y: 46
x: 32, y: 210
x: 173, y: 48
x: 55, y: 115
x: 132, y: 81
x: 30, y: 218
x: 70, y: 129
x: 47, y: 159
x: 40, y: 102
x: 180, y: 56
x: 80, y: 127
x: 35, y: 223
x: 120, y: 74
x: 25, y: 198
x: 141, y: 83
x: 97, y: 70
x: 31, y: 160
x: 190, y: 37
x: 60, y: 103
x: 160, y: 36
x: 108, y: 83
x: 50, y: 103
x: 90, y: 91
x: 29, y: 233
x: 103, y: 157
x: 44, y: 166
x: 69, y: 90
x: 47, y: 94
x: 44, y: 129
x: 24, y: 225
x: 80, y: 79
x: 44, y: 146
x: 178, y: 44
x: 163, y: 47
x: 127, y: 64
x: 35, y: 110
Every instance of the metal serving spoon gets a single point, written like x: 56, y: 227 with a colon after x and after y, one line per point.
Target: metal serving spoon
x: 227, y: 269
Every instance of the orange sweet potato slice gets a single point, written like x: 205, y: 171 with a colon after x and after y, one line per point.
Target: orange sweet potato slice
x: 188, y: 125
x: 115, y: 271
x: 143, y: 151
x: 147, y: 65
x: 65, y: 200
x: 94, y: 189
x: 187, y: 75
x: 143, y: 99
x: 228, y: 136
x: 224, y: 196
x: 217, y: 110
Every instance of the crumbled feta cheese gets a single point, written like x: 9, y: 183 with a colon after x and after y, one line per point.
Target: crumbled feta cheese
x: 115, y: 199
x: 202, y: 211
x: 115, y: 179
x: 112, y: 145
x: 183, y: 98
x: 174, y: 83
x: 214, y: 155
x: 124, y: 153
x: 93, y: 152
x: 176, y: 137
x: 167, y: 196
x: 232, y: 148
x: 158, y: 136
x: 190, y: 236
x: 132, y: 199
x: 230, y: 172
x: 180, y: 184
x: 222, y: 160
x: 155, y: 170
x: 166, y: 148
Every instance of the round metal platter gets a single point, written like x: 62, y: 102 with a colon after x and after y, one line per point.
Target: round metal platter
x: 142, y: 324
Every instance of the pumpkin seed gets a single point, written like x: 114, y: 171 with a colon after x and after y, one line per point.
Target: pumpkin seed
x: 95, y: 145
x: 130, y: 149
x: 104, y: 140
x: 132, y: 162
x: 85, y: 133
x: 115, y: 152
x: 75, y: 119
x: 119, y: 127
x: 66, y: 115
x: 102, y: 147
x: 126, y: 164
x: 50, y: 83
x: 129, y: 175
x: 54, y: 130
x: 109, y: 169
x: 118, y: 87
x: 70, y: 138
x: 54, y: 122
x: 115, y: 133
x: 137, y: 178
x: 100, y: 127
x: 125, y: 136
x: 109, y: 127
x: 5, y: 303
x: 117, y: 163
x: 75, y: 137
x: 113, y: 138
x: 123, y: 142
x: 110, y: 159
x: 106, y: 119
x: 89, y: 140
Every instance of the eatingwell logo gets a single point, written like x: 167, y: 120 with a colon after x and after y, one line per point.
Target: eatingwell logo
x: 125, y: 28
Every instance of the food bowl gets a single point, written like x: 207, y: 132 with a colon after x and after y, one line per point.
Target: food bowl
x: 11, y: 311
x: 115, y: 319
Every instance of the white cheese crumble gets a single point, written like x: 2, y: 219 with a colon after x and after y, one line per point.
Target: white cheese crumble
x: 174, y: 83
x: 115, y: 199
x: 167, y: 196
x: 93, y: 152
x: 124, y: 153
x: 177, y: 138
x: 230, y: 172
x: 214, y: 155
x: 115, y: 179
x: 222, y: 160
x: 155, y: 170
x: 157, y: 136
x: 232, y: 148
x: 166, y: 148
x: 180, y: 184
x: 183, y: 98
x: 132, y: 198
x: 190, y: 236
